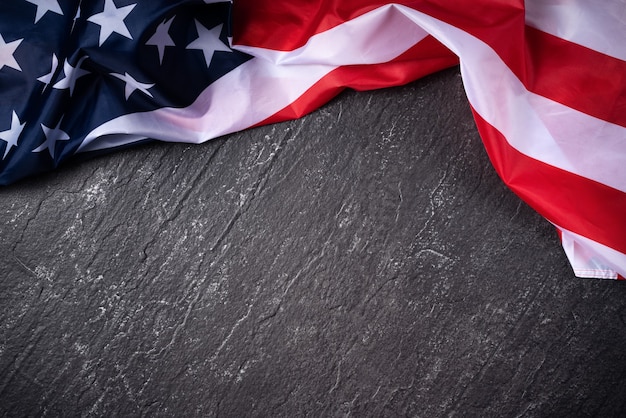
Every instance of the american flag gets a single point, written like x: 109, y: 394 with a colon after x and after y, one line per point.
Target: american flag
x: 546, y: 80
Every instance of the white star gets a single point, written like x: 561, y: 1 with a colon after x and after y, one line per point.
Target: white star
x: 47, y: 78
x: 6, y: 53
x: 208, y: 42
x: 112, y: 20
x: 44, y: 6
x: 52, y: 136
x: 71, y: 75
x: 12, y: 135
x: 161, y: 38
x: 132, y: 85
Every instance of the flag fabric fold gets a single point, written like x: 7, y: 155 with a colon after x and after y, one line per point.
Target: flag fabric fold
x: 546, y: 81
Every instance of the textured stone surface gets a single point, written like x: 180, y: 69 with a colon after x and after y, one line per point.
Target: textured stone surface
x: 364, y: 261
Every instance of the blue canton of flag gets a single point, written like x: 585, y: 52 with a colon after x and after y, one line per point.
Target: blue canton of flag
x: 69, y: 66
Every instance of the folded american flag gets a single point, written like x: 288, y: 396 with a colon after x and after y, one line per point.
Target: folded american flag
x: 546, y: 81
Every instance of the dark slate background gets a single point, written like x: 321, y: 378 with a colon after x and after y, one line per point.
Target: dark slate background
x: 362, y: 261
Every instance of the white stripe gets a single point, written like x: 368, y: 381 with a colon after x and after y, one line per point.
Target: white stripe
x: 245, y: 96
x: 266, y: 84
x: 372, y: 38
x: 534, y: 125
x: 596, y: 24
x: 591, y: 259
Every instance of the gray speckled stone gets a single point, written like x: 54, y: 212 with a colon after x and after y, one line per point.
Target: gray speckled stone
x: 364, y: 261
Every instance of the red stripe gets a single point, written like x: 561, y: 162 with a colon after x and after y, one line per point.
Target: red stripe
x: 285, y: 25
x: 425, y: 57
x: 583, y: 206
x: 568, y: 73
x: 579, y: 77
